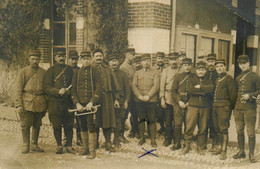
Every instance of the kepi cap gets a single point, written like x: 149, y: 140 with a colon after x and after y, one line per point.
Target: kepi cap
x: 35, y: 53
x: 146, y: 56
x: 220, y: 61
x: 212, y: 56
x: 201, y: 65
x: 186, y: 61
x: 130, y: 50
x: 243, y: 59
x: 137, y: 58
x: 160, y: 54
x: 73, y: 54
x: 85, y: 54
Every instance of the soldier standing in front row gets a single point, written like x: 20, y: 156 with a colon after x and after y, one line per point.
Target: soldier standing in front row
x: 57, y: 83
x: 30, y: 100
x: 223, y: 104
x: 200, y: 88
x: 167, y: 78
x: 86, y: 87
x: 145, y: 87
x: 248, y: 84
x: 180, y: 99
x: 124, y: 93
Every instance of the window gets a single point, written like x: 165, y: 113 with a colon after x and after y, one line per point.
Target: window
x: 223, y: 51
x: 189, y: 46
x: 207, y: 45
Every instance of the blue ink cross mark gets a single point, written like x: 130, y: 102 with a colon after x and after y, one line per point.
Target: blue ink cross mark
x: 148, y: 152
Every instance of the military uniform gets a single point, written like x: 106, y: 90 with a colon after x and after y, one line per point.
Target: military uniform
x: 198, y: 108
x: 146, y: 82
x: 245, y: 111
x: 180, y: 93
x: 224, y: 102
x: 57, y: 77
x: 32, y: 100
x: 166, y: 81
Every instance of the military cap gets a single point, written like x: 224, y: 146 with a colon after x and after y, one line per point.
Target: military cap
x: 98, y: 50
x: 137, y: 59
x: 112, y: 57
x: 35, y: 53
x: 130, y: 50
x: 212, y: 56
x: 182, y: 55
x: 243, y: 59
x: 201, y: 56
x: 146, y: 56
x: 201, y: 65
x: 220, y: 61
x: 73, y: 54
x: 160, y: 54
x: 85, y: 54
x: 173, y: 55
x: 61, y: 53
x: 186, y: 61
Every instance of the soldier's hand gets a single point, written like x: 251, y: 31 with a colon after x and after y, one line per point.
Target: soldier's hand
x: 245, y: 97
x: 116, y: 104
x: 146, y: 98
x: 89, y: 106
x: 141, y: 98
x: 62, y: 91
x: 125, y: 105
x: 182, y: 104
x: 80, y: 107
x: 197, y: 86
x: 163, y: 103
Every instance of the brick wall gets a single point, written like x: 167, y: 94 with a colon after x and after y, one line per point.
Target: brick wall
x: 44, y: 46
x: 149, y: 15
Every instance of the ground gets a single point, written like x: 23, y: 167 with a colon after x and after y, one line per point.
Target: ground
x: 126, y: 157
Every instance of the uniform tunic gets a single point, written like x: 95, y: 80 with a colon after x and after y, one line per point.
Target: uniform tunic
x: 129, y: 70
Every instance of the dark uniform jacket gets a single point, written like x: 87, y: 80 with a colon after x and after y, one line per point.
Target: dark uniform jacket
x: 199, y: 97
x: 57, y: 77
x: 146, y: 82
x: 29, y: 90
x: 212, y: 75
x: 125, y: 89
x: 225, y: 91
x: 180, y: 87
x: 248, y: 83
x: 86, y: 85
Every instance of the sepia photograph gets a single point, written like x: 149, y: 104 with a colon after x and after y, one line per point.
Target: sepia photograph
x: 129, y: 84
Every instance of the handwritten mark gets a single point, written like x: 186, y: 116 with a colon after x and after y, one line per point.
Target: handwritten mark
x: 148, y: 152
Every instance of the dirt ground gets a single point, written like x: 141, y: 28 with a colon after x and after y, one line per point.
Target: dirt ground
x: 126, y: 157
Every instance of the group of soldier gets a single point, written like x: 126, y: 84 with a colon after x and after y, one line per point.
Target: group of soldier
x: 102, y: 93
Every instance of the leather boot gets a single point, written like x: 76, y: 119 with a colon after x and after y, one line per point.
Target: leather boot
x: 57, y: 135
x: 79, y: 139
x: 213, y: 145
x: 177, y: 135
x: 141, y: 131
x: 223, y: 154
x: 85, y: 149
x: 116, y: 139
x: 153, y: 134
x: 35, y: 136
x: 186, y: 149
x: 92, y: 145
x: 108, y: 145
x: 26, y: 140
x: 201, y: 144
x: 241, y: 145
x: 69, y: 135
x: 168, y: 137
x: 97, y: 139
x: 251, y: 149
x: 219, y: 150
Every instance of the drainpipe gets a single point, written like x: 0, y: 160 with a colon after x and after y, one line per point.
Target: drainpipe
x: 173, y: 26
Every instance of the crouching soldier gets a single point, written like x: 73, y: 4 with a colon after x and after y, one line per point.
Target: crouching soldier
x: 223, y: 104
x: 31, y: 102
x: 124, y: 93
x: 248, y: 84
x: 57, y: 83
x: 145, y: 87
x: 200, y: 89
x: 86, y: 87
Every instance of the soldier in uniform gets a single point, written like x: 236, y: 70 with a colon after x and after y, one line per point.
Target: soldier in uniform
x: 128, y: 68
x: 180, y: 59
x: 137, y: 63
x: 109, y: 98
x: 212, y: 75
x: 86, y: 87
x: 223, y: 104
x: 145, y: 87
x: 159, y: 66
x: 167, y: 77
x: 248, y: 84
x: 200, y: 88
x: 30, y: 100
x: 73, y: 62
x: 201, y: 58
x: 124, y: 93
x: 180, y: 97
x: 57, y: 83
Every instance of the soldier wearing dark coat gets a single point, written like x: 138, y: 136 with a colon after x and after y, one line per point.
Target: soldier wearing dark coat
x: 109, y: 98
x: 248, y: 84
x: 86, y: 87
x: 180, y: 97
x: 124, y: 93
x: 200, y: 88
x: 212, y: 75
x: 31, y: 102
x: 223, y: 104
x: 57, y: 83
